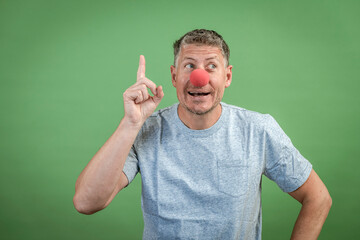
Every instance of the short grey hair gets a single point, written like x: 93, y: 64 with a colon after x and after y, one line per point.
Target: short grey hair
x: 202, y: 37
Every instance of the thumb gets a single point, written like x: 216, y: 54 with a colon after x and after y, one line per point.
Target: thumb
x: 159, y: 95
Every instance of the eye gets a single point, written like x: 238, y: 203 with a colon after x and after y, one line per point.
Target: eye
x: 211, y: 66
x: 189, y: 65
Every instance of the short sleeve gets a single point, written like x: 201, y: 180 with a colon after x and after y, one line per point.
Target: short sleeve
x: 284, y: 163
x: 131, y: 167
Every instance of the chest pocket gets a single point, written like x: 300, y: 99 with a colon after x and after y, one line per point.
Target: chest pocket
x: 233, y: 178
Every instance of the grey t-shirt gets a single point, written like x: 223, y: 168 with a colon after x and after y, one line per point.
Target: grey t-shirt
x: 206, y: 184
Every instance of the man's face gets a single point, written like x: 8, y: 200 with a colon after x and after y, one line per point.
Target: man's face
x: 200, y: 100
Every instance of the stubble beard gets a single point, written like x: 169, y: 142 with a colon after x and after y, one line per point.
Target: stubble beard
x: 201, y: 113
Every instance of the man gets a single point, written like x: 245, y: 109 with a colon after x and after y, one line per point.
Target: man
x: 201, y: 160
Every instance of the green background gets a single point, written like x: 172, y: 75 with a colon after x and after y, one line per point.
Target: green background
x: 65, y: 64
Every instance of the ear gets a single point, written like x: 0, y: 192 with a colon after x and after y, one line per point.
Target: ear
x: 173, y: 75
x: 228, y: 76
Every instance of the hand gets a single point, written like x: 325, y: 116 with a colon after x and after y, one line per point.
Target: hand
x: 138, y: 103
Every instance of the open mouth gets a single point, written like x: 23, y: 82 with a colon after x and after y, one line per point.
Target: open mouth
x: 196, y: 94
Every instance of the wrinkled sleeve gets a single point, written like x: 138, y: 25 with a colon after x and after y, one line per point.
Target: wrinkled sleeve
x: 131, y: 167
x: 284, y: 163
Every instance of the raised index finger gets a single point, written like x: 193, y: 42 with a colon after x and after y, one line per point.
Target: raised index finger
x: 141, y: 69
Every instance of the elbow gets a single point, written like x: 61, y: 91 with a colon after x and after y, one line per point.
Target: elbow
x: 82, y: 207
x: 321, y: 202
x: 328, y: 202
x: 325, y: 203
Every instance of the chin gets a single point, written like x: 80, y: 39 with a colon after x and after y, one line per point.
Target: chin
x: 201, y: 110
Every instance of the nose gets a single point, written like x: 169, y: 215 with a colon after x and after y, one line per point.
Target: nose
x: 199, y: 77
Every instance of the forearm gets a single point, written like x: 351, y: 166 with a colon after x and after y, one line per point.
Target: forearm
x: 311, y: 218
x: 101, y: 177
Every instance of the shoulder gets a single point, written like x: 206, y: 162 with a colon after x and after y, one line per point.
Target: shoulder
x: 164, y: 112
x: 259, y: 123
x: 160, y: 115
x: 248, y: 117
x: 158, y: 119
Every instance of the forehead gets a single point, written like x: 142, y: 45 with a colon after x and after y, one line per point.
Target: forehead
x: 200, y: 51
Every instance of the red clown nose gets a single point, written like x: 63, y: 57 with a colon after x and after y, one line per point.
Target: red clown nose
x: 199, y: 77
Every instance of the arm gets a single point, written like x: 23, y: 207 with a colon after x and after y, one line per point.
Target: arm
x: 316, y: 203
x: 103, y: 177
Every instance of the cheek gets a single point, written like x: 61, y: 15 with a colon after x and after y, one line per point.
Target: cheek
x: 183, y: 80
x: 218, y: 81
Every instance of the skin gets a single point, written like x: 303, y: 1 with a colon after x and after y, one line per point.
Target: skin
x: 100, y: 180
x: 316, y: 203
x: 200, y: 112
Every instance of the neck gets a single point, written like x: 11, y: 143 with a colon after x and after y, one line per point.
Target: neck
x: 202, y: 121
